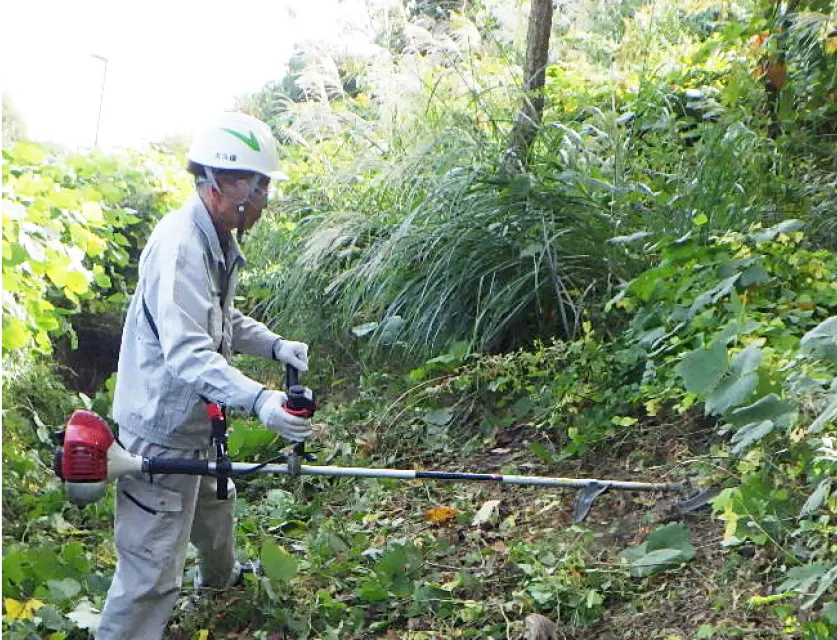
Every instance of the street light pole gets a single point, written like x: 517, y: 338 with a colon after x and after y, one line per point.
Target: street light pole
x: 101, y: 96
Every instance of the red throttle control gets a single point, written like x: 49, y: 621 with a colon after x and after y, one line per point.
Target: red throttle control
x: 301, y: 402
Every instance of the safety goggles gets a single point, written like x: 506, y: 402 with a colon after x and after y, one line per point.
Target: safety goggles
x: 240, y: 189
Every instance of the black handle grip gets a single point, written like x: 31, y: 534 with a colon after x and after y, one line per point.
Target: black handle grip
x: 301, y: 401
x: 291, y: 377
x: 182, y: 466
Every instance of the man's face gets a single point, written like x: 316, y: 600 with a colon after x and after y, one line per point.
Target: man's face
x: 235, y: 188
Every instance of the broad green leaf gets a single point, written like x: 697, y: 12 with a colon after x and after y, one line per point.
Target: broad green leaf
x: 749, y: 434
x: 121, y: 240
x: 541, y: 452
x: 829, y: 612
x: 644, y: 285
x: 672, y: 536
x: 825, y: 584
x: 702, y: 369
x: 372, y: 592
x: 102, y: 280
x: 817, y: 498
x: 278, y: 564
x: 828, y: 414
x: 731, y: 392
x: 738, y: 385
x: 747, y: 360
x: 786, y: 227
x: 804, y: 577
x: 770, y: 407
x: 65, y: 589
x: 666, y: 546
x: 12, y: 567
x: 438, y: 417
x: 655, y: 561
x: 735, y: 329
x: 821, y: 341
x: 74, y: 555
x: 753, y: 275
x: 632, y: 554
x: 248, y: 439
x: 719, y: 291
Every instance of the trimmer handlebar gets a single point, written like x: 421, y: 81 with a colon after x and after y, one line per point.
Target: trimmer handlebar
x: 301, y: 401
x: 89, y: 456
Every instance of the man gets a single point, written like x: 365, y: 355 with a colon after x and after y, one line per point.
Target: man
x: 179, y: 333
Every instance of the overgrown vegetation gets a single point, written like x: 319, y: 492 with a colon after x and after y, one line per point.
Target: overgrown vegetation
x: 649, y: 293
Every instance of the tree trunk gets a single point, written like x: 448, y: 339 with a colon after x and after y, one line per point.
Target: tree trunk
x: 537, y: 51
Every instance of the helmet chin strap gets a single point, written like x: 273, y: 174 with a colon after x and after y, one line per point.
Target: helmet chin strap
x: 240, y: 232
x: 239, y: 203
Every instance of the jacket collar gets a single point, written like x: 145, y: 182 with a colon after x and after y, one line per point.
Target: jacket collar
x: 204, y: 222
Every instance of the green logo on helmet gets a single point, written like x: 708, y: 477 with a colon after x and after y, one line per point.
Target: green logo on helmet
x: 250, y: 142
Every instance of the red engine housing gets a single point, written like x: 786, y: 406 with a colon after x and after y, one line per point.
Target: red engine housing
x: 85, y: 449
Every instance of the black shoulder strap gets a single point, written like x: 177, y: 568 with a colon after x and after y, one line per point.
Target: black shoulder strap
x: 156, y: 333
x: 150, y: 320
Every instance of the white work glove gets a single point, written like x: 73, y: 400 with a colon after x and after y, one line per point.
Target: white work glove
x: 269, y: 409
x: 292, y: 353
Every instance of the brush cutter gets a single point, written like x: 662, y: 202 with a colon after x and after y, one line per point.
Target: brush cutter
x: 88, y: 456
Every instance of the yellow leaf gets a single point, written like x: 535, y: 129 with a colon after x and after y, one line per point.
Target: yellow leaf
x: 732, y: 525
x: 77, y: 282
x: 16, y: 610
x: 15, y: 334
x: 13, y: 608
x: 89, y: 242
x: 831, y: 44
x: 203, y: 634
x: 440, y: 515
x: 93, y: 212
x: 28, y: 153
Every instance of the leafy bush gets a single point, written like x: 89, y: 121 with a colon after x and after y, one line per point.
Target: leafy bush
x: 72, y: 231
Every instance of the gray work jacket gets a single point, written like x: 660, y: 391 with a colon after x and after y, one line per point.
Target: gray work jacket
x: 188, y: 285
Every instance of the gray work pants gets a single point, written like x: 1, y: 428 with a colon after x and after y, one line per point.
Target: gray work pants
x: 155, y: 521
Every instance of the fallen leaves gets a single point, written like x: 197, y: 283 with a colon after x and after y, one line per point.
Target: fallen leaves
x: 486, y: 513
x: 16, y: 610
x: 440, y: 515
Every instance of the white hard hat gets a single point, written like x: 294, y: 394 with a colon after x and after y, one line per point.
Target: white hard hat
x: 236, y: 141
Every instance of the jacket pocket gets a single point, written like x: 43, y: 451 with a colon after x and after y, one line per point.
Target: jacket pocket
x: 179, y: 395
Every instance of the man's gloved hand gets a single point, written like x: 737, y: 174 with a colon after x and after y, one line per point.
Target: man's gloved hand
x: 292, y: 353
x: 269, y: 409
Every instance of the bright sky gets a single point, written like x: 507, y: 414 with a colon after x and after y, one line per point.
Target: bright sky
x: 171, y: 63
